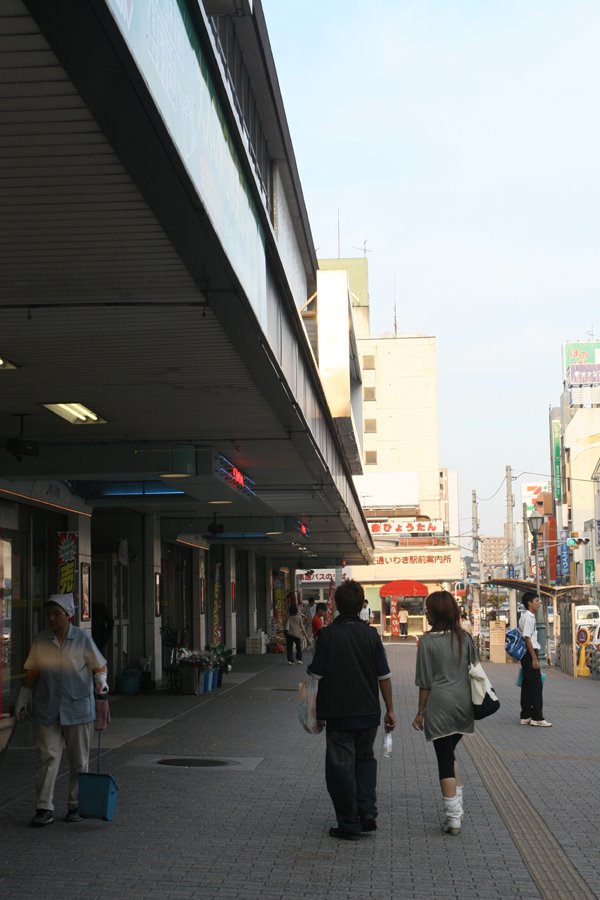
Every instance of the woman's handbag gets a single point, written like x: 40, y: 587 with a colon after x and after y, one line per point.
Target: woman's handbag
x: 307, y: 711
x: 483, y: 696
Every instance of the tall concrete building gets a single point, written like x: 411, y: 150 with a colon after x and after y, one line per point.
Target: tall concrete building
x: 408, y: 499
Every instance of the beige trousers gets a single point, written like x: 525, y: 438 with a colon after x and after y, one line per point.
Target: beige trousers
x: 49, y: 743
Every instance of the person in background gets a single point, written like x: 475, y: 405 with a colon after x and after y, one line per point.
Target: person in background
x: 532, y: 712
x: 351, y: 666
x: 318, y: 619
x: 445, y: 708
x: 102, y: 625
x: 365, y: 613
x: 310, y: 613
x: 465, y: 623
x: 62, y: 671
x: 294, y: 632
x: 403, y: 619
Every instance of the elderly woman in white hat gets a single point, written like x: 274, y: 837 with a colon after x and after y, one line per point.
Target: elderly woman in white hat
x: 61, y: 671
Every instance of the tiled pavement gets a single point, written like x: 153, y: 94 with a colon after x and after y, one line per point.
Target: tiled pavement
x: 260, y: 830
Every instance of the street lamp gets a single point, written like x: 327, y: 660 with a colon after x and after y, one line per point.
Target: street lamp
x: 536, y: 522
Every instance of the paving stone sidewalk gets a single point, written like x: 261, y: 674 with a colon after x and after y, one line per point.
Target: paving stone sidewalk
x: 258, y: 829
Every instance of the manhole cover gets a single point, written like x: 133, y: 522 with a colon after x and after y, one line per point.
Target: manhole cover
x: 198, y: 762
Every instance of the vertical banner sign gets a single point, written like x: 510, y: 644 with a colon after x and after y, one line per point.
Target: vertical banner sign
x: 394, y: 620
x: 216, y: 625
x: 556, y: 461
x: 330, y: 604
x: 279, y: 606
x: 67, y: 558
x: 590, y: 571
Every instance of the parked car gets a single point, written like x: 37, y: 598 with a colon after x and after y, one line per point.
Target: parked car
x: 587, y: 615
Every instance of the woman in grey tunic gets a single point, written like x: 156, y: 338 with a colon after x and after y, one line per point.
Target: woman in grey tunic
x: 445, y: 709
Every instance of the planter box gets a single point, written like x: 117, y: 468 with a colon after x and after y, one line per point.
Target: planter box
x: 188, y: 683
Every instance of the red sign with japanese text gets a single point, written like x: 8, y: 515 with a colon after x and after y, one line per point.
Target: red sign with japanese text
x: 395, y: 527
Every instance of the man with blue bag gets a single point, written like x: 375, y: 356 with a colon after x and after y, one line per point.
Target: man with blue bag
x: 532, y: 687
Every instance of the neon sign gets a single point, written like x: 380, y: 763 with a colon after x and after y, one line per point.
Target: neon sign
x: 233, y: 476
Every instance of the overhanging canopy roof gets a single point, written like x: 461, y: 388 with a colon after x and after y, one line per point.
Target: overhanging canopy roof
x: 548, y: 590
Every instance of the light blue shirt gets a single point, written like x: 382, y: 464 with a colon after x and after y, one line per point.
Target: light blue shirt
x: 65, y: 689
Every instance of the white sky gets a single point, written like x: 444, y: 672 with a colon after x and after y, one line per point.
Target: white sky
x: 461, y: 139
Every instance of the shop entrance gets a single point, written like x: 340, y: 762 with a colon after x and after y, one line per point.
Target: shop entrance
x: 407, y: 594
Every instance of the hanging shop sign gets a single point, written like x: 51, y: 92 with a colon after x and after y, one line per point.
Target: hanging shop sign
x: 234, y: 477
x: 67, y: 559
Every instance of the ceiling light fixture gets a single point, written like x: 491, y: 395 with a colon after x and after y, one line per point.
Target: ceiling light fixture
x: 220, y: 502
x: 75, y: 413
x: 6, y: 363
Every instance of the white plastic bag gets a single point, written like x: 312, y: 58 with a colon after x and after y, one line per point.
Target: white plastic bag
x: 307, y: 710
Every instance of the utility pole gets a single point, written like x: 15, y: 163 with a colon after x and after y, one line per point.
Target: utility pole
x: 510, y: 549
x: 526, y: 553
x: 475, y: 567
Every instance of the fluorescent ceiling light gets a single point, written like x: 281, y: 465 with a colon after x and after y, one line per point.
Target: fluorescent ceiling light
x: 6, y: 363
x: 75, y: 413
x: 175, y: 475
x: 273, y: 532
x: 220, y: 502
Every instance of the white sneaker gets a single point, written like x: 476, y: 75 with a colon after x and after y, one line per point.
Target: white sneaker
x: 298, y: 662
x: 290, y: 663
x: 525, y: 722
x: 541, y: 723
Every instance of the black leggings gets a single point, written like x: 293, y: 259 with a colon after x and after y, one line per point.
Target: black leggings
x: 444, y: 750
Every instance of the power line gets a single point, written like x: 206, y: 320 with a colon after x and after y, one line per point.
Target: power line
x: 486, y: 499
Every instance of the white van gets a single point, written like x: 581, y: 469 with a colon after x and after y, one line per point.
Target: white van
x: 587, y: 615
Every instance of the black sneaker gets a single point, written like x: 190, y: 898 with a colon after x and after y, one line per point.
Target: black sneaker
x: 42, y: 817
x: 343, y: 835
x: 368, y: 825
x: 73, y: 815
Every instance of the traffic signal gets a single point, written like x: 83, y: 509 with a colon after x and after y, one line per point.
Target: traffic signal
x: 576, y: 541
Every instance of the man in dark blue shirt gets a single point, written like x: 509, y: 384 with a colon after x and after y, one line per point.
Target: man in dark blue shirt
x: 352, y: 668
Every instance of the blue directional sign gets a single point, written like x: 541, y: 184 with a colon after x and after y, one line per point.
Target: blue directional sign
x: 564, y: 559
x: 510, y: 573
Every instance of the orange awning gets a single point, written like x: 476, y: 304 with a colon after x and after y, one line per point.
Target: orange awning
x: 403, y: 589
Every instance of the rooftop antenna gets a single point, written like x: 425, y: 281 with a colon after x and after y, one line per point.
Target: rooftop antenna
x: 338, y: 232
x: 364, y: 247
x: 395, y: 318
